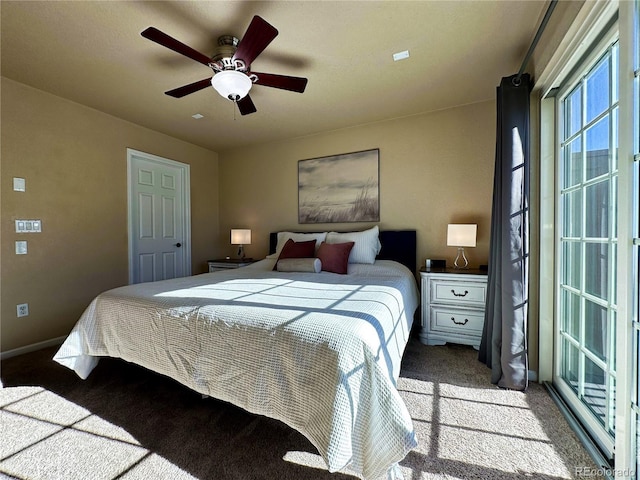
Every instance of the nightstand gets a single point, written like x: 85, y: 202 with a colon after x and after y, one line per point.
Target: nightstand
x: 228, y: 263
x: 453, y: 303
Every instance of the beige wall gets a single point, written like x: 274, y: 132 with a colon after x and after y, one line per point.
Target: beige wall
x: 74, y: 161
x: 435, y: 169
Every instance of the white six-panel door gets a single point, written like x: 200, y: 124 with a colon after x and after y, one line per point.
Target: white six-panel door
x: 159, y: 236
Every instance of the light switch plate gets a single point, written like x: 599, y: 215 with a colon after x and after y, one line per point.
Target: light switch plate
x: 19, y: 184
x: 28, y: 226
x: 21, y: 247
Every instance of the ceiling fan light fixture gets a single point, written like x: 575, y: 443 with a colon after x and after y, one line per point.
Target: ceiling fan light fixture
x: 231, y: 84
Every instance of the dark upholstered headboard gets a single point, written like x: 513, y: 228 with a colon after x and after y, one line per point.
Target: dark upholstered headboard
x: 398, y: 245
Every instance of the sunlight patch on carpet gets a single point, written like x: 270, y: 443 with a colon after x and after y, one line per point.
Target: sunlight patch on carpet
x: 155, y: 466
x: 73, y: 455
x: 306, y: 459
x: 46, y: 436
x: 499, y: 452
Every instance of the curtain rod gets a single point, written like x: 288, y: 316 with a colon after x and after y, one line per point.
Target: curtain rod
x: 534, y: 43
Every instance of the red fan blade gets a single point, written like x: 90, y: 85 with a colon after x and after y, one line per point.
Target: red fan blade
x: 255, y: 40
x: 246, y: 106
x: 165, y: 40
x: 293, y: 84
x: 188, y: 89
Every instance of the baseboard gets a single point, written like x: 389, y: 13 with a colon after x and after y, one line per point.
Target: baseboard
x: 32, y: 348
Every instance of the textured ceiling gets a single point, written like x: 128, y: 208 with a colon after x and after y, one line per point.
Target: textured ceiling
x: 91, y: 52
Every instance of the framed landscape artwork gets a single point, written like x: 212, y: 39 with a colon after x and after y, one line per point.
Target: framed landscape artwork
x: 340, y: 188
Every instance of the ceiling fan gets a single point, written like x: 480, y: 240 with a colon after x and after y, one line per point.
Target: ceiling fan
x: 232, y: 77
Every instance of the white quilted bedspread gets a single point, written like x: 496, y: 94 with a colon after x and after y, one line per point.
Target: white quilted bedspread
x: 319, y: 351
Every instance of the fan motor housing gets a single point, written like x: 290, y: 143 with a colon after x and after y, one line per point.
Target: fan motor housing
x: 227, y: 46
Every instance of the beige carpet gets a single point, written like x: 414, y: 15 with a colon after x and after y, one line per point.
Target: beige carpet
x: 125, y: 422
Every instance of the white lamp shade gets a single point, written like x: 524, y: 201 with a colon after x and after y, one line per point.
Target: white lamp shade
x: 461, y: 235
x: 231, y: 84
x: 240, y: 236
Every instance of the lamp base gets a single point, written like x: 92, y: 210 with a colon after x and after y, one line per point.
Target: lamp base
x: 241, y: 252
x: 461, y: 261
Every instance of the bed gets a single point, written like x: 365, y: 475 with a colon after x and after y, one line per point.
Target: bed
x: 319, y: 351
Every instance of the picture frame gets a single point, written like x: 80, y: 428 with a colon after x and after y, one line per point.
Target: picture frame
x: 342, y: 188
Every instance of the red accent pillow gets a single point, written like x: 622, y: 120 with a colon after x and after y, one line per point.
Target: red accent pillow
x: 293, y: 249
x: 335, y: 256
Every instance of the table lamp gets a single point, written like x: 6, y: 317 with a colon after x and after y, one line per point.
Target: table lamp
x: 241, y: 237
x: 461, y: 235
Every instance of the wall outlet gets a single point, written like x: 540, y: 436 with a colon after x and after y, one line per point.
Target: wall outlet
x: 19, y: 184
x: 23, y: 310
x: 21, y: 247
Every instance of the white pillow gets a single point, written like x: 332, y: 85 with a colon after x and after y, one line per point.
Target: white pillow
x: 367, y: 244
x: 297, y: 237
x: 312, y: 265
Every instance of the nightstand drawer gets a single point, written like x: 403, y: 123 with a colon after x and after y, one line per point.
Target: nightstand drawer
x: 461, y: 322
x: 463, y: 292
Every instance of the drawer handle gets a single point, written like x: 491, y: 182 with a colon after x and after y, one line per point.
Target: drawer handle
x: 459, y: 294
x: 453, y: 319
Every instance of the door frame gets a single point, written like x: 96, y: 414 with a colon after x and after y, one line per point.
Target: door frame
x: 186, y: 202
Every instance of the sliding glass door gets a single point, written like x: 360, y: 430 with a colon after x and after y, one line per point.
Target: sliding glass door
x: 587, y: 243
x: 590, y: 231
x: 635, y: 207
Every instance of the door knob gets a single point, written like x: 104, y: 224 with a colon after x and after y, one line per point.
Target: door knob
x: 178, y: 244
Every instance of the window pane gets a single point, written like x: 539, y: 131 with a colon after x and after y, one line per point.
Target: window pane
x: 598, y: 149
x: 573, y: 111
x: 614, y: 208
x: 614, y: 279
x: 612, y: 341
x: 636, y: 37
x: 572, y: 214
x: 598, y: 90
x: 595, y: 329
x: 571, y: 314
x: 636, y: 299
x: 637, y: 355
x: 572, y: 174
x: 571, y: 264
x: 596, y: 264
x: 614, y: 72
x: 636, y: 117
x: 570, y: 372
x: 597, y: 210
x: 612, y: 407
x: 614, y: 156
x: 636, y: 199
x: 637, y: 444
x: 594, y: 389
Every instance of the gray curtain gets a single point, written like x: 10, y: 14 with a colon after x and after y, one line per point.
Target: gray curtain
x: 504, y: 339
